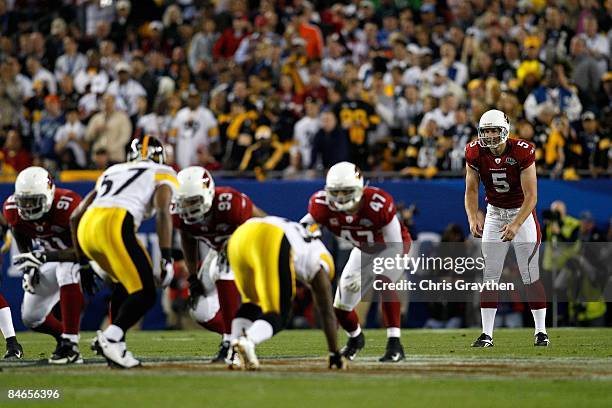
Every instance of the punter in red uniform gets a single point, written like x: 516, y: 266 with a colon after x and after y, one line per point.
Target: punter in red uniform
x: 203, y: 212
x: 39, y: 217
x: 507, y: 170
x: 361, y: 215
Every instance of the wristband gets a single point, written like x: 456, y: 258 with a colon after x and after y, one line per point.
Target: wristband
x: 166, y: 253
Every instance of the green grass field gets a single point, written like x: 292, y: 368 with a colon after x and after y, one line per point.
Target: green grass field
x: 441, y: 370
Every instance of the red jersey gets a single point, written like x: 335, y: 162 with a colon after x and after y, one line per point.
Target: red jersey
x: 376, y: 210
x: 230, y: 209
x: 501, y: 175
x: 52, y: 230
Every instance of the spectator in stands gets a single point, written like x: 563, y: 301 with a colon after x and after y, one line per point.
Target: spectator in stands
x: 123, y: 24
x: 125, y: 89
x: 585, y: 73
x: 194, y: 128
x: 444, y: 115
x: 310, y: 33
x: 70, y: 145
x: 71, y: 61
x: 38, y: 73
x: 596, y: 42
x: 331, y: 143
x: 306, y: 129
x: 595, y: 146
x: 455, y: 70
x: 230, y: 39
x: 100, y: 159
x: 15, y: 154
x: 109, y: 129
x: 201, y: 47
x: 555, y: 92
x: 44, y: 132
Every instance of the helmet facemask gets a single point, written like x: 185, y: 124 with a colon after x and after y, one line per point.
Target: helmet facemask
x: 344, y: 198
x: 492, y: 141
x: 194, y: 208
x: 32, y: 207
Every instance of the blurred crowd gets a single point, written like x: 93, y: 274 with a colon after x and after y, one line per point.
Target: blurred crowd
x: 292, y: 87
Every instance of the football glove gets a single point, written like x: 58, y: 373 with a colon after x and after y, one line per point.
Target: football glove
x: 196, y: 289
x: 166, y: 269
x: 337, y: 360
x: 31, y: 278
x: 313, y: 230
x: 29, y: 259
x: 88, y: 279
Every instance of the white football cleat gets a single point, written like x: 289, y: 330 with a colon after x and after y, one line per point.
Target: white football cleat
x: 115, y: 352
x: 245, y: 351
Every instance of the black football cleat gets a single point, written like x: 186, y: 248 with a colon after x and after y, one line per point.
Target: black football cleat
x: 13, y: 349
x: 483, y: 341
x: 541, y: 340
x: 394, y: 351
x: 222, y: 355
x: 353, y: 346
x: 67, y: 352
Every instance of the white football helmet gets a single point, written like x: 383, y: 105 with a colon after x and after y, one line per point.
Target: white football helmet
x: 493, y: 119
x: 195, y: 194
x: 34, y: 193
x: 344, y: 186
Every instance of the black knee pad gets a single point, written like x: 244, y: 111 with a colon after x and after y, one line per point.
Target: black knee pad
x: 249, y: 311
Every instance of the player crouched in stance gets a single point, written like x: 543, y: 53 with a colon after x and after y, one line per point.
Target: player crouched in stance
x: 203, y: 212
x: 106, y: 226
x: 267, y: 256
x: 38, y: 214
x: 507, y: 170
x: 361, y: 215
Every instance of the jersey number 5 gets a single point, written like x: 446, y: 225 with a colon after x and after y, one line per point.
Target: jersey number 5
x: 500, y: 183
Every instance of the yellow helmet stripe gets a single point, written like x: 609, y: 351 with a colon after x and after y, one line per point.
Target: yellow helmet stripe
x: 145, y: 147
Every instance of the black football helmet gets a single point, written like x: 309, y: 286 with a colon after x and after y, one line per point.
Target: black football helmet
x: 146, y: 148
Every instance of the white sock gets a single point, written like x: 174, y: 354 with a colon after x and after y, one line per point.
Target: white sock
x: 6, y: 323
x: 488, y: 320
x: 539, y: 318
x: 393, y: 332
x: 226, y: 336
x: 239, y: 325
x: 260, y: 331
x: 114, y: 333
x: 355, y: 333
x: 74, y: 338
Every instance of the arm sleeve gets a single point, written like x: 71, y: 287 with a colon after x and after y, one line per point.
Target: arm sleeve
x: 392, y: 232
x: 528, y: 158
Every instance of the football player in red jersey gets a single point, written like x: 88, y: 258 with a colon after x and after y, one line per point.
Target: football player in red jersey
x: 39, y: 217
x: 361, y: 215
x: 507, y: 170
x: 209, y: 214
x: 13, y: 348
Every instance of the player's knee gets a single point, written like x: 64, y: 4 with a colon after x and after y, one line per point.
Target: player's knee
x: 204, y: 310
x: 32, y: 318
x: 249, y: 311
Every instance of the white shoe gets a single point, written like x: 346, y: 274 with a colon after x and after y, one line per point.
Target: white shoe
x: 245, y: 351
x: 116, y: 353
